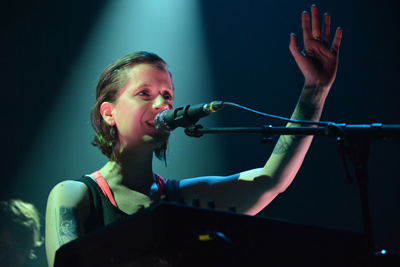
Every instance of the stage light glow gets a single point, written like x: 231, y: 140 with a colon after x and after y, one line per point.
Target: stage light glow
x: 172, y: 29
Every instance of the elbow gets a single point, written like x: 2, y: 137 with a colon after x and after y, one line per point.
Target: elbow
x: 281, y: 188
x: 282, y: 182
x: 262, y: 202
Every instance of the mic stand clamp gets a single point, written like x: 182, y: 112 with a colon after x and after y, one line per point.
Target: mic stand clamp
x: 267, y: 139
x: 193, y: 130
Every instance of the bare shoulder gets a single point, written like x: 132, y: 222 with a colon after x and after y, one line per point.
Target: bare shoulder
x: 69, y: 192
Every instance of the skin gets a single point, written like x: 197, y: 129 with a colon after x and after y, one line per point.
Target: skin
x: 149, y: 91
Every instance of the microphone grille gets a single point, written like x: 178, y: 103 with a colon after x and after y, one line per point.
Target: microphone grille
x: 159, y: 122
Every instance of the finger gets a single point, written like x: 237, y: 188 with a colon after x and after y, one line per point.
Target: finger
x: 294, y: 47
x: 305, y: 24
x: 327, y: 28
x: 316, y: 25
x: 337, y: 40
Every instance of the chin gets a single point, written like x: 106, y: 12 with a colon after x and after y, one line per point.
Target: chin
x: 157, y: 140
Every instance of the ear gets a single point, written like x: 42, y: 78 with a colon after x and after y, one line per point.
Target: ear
x: 106, y: 111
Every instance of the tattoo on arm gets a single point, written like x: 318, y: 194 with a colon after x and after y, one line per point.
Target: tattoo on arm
x: 67, y: 226
x: 283, y: 144
x: 303, y: 111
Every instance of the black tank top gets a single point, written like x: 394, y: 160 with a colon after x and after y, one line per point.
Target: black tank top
x: 103, y: 212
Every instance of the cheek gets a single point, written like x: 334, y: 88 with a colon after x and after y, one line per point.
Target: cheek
x: 128, y: 123
x: 128, y: 120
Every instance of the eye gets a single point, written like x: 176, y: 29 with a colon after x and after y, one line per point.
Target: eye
x: 168, y: 96
x: 144, y: 93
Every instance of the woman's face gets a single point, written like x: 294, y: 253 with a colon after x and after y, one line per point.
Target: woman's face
x: 149, y: 90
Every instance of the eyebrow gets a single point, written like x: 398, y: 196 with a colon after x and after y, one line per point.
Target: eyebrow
x: 149, y: 85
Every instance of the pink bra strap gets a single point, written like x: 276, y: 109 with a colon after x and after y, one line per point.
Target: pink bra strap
x: 102, y: 183
x: 104, y: 187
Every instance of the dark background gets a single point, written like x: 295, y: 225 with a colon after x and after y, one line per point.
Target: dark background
x: 250, y: 65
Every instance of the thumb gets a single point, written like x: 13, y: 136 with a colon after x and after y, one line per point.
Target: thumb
x: 294, y: 48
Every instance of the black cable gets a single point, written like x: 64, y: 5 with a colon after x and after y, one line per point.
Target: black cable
x: 343, y: 142
x: 322, y: 123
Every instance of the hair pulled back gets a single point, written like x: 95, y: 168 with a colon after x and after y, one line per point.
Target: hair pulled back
x: 110, y: 82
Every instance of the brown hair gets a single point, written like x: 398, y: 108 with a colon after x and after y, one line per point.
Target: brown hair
x: 110, y: 82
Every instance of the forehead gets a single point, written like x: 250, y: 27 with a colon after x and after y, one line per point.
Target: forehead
x: 149, y: 74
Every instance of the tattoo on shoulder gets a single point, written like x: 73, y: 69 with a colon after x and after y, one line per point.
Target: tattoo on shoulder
x: 67, y: 225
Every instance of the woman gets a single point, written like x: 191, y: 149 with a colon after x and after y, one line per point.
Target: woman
x: 130, y: 93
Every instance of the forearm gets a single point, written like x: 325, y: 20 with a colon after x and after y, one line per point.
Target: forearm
x: 318, y: 64
x: 290, y: 150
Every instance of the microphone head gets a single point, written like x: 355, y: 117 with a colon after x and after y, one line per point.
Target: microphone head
x: 160, y: 124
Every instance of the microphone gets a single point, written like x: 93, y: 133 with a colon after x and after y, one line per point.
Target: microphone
x: 169, y: 120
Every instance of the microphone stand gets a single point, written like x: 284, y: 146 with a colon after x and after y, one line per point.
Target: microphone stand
x: 353, y: 141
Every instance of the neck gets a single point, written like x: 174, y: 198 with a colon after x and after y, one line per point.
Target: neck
x: 132, y: 170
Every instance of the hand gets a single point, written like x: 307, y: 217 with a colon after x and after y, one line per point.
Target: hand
x: 317, y: 62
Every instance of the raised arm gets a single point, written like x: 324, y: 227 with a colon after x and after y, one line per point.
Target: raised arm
x: 252, y: 190
x: 67, y: 210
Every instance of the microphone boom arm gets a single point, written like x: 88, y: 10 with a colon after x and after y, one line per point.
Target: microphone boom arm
x: 374, y: 130
x: 354, y: 142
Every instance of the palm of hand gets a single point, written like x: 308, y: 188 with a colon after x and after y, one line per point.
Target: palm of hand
x: 317, y: 61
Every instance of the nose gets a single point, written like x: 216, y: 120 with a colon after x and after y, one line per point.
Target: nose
x: 160, y: 103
